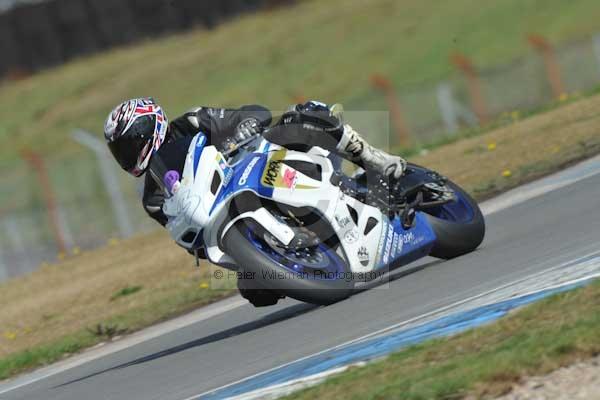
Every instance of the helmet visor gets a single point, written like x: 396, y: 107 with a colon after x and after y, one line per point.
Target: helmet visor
x: 134, y: 146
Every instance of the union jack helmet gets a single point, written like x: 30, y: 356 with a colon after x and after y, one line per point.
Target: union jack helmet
x: 135, y: 130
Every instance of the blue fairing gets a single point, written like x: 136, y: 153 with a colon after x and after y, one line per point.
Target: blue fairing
x: 245, y: 177
x: 402, y: 246
x: 397, y: 246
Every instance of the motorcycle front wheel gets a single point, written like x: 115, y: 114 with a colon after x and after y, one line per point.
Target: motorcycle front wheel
x: 316, y: 275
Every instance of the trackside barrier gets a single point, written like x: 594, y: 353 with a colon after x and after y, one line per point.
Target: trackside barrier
x: 59, y: 229
x: 393, y: 102
x: 547, y: 52
x: 464, y: 64
x: 477, y: 96
x: 109, y: 172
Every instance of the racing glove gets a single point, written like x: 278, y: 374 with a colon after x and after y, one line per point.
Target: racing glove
x: 247, y: 128
x: 244, y: 130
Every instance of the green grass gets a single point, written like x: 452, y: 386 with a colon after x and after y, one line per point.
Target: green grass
x: 482, y: 362
x: 130, y: 320
x: 96, y: 295
x: 317, y: 49
x: 126, y: 291
x: 46, y: 354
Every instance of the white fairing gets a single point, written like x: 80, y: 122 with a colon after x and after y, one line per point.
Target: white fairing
x: 194, y: 216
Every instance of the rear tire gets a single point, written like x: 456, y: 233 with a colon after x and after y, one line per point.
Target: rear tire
x: 457, y: 238
x: 261, y: 267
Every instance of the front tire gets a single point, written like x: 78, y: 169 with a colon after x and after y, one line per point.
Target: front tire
x: 261, y: 266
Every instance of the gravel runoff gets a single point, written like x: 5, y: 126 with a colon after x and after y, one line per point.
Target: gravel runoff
x: 579, y: 381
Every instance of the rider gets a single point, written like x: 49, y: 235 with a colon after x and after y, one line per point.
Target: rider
x: 141, y: 138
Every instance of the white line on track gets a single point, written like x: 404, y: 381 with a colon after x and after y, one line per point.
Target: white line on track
x: 521, y: 194
x: 285, y: 388
x: 129, y: 341
x: 410, y: 321
x: 524, y: 193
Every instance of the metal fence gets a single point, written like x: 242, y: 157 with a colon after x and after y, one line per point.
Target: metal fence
x: 434, y: 109
x: 90, y: 209
x: 85, y: 215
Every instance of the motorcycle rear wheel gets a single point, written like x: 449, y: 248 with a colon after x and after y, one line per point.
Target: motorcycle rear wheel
x: 459, y: 225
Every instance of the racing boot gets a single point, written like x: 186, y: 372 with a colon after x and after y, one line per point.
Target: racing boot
x: 355, y: 148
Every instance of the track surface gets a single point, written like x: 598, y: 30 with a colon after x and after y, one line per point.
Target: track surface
x: 522, y: 239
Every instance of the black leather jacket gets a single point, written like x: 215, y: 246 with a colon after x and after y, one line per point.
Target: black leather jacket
x: 219, y: 126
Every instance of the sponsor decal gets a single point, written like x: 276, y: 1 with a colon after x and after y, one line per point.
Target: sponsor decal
x: 227, y: 177
x: 397, y: 246
x: 351, y: 236
x: 244, y: 178
x: 408, y: 238
x: 226, y: 169
x: 342, y: 221
x: 271, y: 172
x: 311, y: 127
x: 290, y: 177
x: 394, y: 241
x: 275, y: 176
x: 221, y: 161
x: 388, y: 244
x: 363, y: 256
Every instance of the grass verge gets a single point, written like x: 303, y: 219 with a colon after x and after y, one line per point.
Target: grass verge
x: 88, y: 298
x: 495, y: 161
x: 95, y: 296
x: 483, y: 362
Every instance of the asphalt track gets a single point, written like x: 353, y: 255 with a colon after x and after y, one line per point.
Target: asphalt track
x: 240, y: 341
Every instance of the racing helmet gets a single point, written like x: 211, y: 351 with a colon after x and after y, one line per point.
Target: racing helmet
x: 134, y: 131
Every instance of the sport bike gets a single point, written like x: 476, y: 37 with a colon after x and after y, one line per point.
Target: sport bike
x: 299, y: 224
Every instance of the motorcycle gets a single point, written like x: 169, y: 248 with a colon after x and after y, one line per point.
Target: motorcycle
x: 296, y: 224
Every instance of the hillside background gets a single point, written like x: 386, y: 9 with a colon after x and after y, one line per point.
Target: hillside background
x: 310, y: 49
